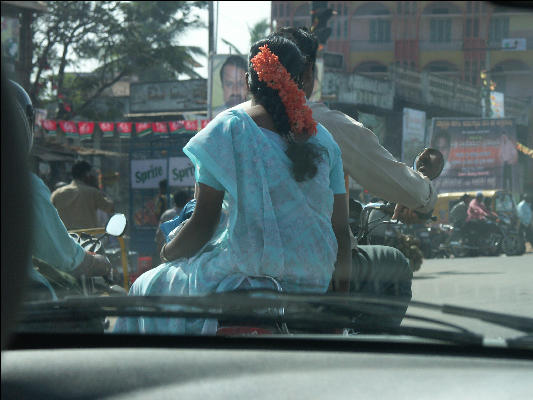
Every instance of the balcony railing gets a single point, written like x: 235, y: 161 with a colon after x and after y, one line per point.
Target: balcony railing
x: 424, y: 88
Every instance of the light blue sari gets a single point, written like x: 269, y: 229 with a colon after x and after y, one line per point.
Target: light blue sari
x: 270, y: 224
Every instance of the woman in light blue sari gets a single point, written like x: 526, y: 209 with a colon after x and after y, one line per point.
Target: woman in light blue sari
x: 270, y: 201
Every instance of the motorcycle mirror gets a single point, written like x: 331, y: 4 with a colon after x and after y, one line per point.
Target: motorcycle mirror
x: 116, y: 225
x: 429, y: 162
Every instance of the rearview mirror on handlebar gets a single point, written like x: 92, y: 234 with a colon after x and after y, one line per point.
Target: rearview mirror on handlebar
x: 116, y: 225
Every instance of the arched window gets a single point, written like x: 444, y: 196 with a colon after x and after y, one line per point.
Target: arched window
x: 378, y: 18
x: 443, y: 68
x: 372, y: 69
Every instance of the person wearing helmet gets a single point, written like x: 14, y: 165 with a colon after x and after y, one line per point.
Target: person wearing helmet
x: 51, y: 242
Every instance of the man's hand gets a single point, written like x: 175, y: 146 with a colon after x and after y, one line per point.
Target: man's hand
x: 101, y: 266
x: 406, y: 215
x: 93, y: 265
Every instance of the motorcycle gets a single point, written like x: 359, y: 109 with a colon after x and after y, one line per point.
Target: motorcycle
x: 467, y: 241
x: 514, y: 241
x: 376, y: 227
x: 498, y: 234
x: 51, y: 282
x: 440, y: 235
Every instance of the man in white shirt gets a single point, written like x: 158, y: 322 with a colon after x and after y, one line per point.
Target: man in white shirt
x: 363, y: 158
x: 377, y: 270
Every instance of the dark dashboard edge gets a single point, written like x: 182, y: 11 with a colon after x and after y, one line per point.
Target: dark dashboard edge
x: 33, y: 341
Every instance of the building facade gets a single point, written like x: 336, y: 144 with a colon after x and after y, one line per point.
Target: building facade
x: 453, y: 39
x: 384, y: 56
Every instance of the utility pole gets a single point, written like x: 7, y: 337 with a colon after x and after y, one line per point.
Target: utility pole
x: 487, y: 85
x: 211, y: 51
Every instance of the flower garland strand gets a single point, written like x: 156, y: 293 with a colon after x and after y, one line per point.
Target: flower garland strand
x: 273, y: 73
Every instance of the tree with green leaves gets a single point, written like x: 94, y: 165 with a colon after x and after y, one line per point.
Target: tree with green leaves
x: 123, y: 39
x: 259, y: 31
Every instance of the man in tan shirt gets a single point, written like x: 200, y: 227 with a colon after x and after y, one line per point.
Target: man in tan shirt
x: 377, y: 270
x: 363, y: 158
x: 78, y: 202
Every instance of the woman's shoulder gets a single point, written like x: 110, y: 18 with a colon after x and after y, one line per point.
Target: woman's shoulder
x: 223, y: 121
x: 324, y: 138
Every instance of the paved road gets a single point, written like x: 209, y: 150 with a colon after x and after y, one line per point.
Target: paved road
x: 500, y: 284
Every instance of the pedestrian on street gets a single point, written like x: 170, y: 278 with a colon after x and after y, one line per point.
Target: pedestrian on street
x: 78, y: 201
x: 526, y: 217
x: 161, y: 199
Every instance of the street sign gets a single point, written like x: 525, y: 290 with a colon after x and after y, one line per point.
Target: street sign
x: 413, y: 133
x: 514, y: 44
x: 176, y: 96
x: 497, y: 104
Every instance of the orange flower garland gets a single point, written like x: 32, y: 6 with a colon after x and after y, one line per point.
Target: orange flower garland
x: 269, y: 70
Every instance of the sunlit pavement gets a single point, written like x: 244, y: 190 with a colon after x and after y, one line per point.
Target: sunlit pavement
x: 501, y: 284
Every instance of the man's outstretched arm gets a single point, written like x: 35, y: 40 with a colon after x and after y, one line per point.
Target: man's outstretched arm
x: 372, y: 166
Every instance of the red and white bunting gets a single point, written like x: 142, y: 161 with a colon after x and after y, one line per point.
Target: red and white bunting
x: 143, y: 128
x: 191, y: 125
x: 85, y: 129
x: 70, y: 128
x: 107, y: 128
x: 159, y: 128
x: 124, y: 129
x: 176, y: 126
x: 50, y: 126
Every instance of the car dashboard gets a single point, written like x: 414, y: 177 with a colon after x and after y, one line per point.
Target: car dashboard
x: 263, y: 369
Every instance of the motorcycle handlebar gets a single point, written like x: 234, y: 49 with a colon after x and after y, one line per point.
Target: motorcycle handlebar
x: 388, y: 208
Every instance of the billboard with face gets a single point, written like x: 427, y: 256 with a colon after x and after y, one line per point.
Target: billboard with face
x: 479, y: 154
x: 229, y: 81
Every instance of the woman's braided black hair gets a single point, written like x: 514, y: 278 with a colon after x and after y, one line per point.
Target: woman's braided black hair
x: 304, y: 155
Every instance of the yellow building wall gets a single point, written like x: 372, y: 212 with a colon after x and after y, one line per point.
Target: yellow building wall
x: 517, y: 23
x: 384, y: 57
x: 520, y: 23
x: 455, y: 57
x: 524, y: 56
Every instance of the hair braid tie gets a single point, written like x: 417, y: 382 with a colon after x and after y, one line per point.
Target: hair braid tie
x: 269, y: 70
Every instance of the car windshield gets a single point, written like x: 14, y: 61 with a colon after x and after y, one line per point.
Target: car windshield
x: 192, y: 163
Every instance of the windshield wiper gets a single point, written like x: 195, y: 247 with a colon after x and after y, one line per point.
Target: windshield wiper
x: 300, y: 311
x: 301, y: 320
x: 235, y: 303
